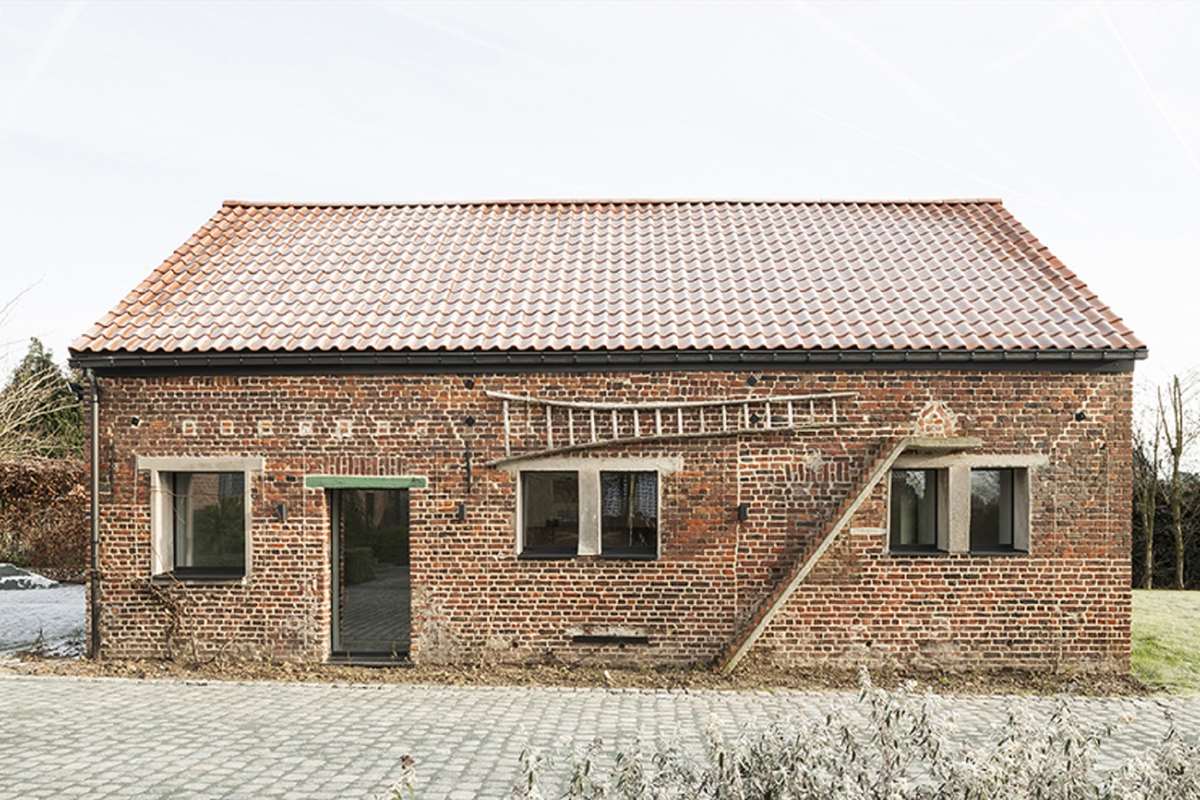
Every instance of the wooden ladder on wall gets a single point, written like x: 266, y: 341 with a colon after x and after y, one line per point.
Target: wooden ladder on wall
x: 536, y: 427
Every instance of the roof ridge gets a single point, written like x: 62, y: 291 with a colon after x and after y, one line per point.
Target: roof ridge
x: 641, y: 201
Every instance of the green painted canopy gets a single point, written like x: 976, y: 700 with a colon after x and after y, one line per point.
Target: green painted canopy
x: 364, y: 482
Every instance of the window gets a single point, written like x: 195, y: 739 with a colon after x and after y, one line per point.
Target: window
x: 963, y: 502
x: 629, y: 513
x: 606, y: 507
x: 200, y: 513
x: 995, y: 513
x: 550, y: 513
x: 208, y: 522
x: 915, y: 509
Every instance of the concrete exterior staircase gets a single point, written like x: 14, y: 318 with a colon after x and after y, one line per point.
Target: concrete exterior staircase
x: 878, y: 467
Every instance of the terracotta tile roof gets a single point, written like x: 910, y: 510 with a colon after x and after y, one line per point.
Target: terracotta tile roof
x: 610, y: 275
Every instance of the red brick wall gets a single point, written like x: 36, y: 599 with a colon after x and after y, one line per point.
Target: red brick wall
x: 1067, y: 602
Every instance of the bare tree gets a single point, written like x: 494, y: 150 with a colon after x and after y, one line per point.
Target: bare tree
x: 29, y: 404
x: 22, y: 405
x: 1145, y: 476
x: 1180, y: 430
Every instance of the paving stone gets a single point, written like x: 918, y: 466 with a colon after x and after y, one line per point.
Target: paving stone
x: 111, y: 738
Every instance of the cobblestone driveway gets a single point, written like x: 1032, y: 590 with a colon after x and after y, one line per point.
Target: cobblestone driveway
x: 101, y: 738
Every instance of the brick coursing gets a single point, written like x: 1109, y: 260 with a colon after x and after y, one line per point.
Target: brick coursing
x: 1067, y: 603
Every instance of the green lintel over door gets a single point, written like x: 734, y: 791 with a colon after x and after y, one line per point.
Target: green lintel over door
x: 364, y: 482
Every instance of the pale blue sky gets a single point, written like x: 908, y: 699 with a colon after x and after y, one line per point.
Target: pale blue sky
x: 123, y: 126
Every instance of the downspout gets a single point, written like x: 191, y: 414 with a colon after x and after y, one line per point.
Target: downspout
x: 94, y: 609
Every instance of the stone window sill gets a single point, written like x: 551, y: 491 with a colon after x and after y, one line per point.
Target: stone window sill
x: 587, y: 557
x: 198, y: 579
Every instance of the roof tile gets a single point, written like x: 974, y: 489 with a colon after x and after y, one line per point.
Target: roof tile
x: 611, y: 275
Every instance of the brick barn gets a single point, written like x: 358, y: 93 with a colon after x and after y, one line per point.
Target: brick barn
x: 662, y: 432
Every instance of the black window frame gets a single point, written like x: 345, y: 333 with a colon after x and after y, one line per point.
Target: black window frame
x: 200, y: 572
x: 1015, y: 486
x: 525, y: 551
x: 619, y: 553
x: 894, y: 546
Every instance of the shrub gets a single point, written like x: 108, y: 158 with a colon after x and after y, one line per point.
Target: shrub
x: 44, y: 515
x: 893, y: 745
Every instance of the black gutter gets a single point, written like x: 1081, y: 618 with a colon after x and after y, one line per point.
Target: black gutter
x: 480, y: 361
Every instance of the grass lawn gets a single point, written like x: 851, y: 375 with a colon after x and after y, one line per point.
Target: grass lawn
x: 1166, y: 639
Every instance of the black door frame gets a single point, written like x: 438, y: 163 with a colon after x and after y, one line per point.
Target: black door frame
x: 336, y: 651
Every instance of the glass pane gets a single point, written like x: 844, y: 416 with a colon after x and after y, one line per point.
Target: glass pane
x: 374, y: 597
x: 209, y: 520
x: 991, y: 509
x: 629, y: 513
x: 914, y: 508
x: 550, y: 511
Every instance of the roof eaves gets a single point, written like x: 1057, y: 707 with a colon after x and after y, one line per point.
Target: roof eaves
x: 552, y: 360
x: 593, y: 201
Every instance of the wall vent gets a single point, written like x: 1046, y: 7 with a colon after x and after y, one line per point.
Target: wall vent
x: 610, y: 639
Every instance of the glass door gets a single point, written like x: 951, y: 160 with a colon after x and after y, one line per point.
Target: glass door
x: 371, y: 589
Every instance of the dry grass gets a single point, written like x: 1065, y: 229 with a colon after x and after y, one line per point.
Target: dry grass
x: 752, y: 676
